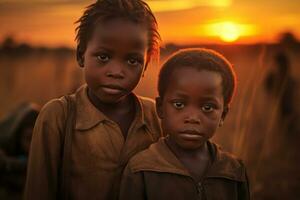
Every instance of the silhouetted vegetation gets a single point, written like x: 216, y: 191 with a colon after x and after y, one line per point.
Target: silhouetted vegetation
x: 10, y: 47
x: 289, y: 40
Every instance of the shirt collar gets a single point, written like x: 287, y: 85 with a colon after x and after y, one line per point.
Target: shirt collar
x: 88, y: 116
x: 164, y: 160
x: 158, y: 158
x: 225, y: 165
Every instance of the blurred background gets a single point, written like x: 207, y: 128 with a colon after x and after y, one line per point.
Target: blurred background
x: 260, y: 38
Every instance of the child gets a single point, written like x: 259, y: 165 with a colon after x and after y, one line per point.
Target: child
x: 15, y: 137
x: 116, y: 40
x: 195, y: 89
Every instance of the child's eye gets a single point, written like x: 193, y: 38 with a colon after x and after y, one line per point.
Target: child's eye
x: 207, y: 107
x: 134, y: 61
x: 103, y: 57
x: 178, y: 105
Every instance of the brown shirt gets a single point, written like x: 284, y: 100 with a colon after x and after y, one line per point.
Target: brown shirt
x: 156, y: 174
x: 99, y: 150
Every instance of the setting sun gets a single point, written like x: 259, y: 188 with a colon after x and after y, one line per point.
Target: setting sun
x: 228, y: 31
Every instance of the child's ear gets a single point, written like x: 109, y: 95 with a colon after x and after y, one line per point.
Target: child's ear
x: 158, y: 104
x: 224, y: 114
x: 79, y: 57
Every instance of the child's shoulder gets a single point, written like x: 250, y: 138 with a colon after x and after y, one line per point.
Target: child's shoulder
x: 227, y: 163
x: 146, y: 156
x: 54, y: 109
x: 146, y: 102
x: 224, y: 156
x: 146, y: 159
x: 149, y: 111
x: 57, y: 107
x: 157, y: 158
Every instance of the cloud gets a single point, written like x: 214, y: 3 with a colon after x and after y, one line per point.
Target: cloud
x: 17, y: 8
x: 173, y: 5
x: 45, y: 1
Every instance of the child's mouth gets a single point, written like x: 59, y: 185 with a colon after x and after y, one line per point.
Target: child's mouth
x: 191, y: 134
x: 111, y: 89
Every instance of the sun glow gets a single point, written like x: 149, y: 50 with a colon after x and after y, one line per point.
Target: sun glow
x: 228, y: 31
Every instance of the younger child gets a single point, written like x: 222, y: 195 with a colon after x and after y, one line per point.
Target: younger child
x: 85, y: 158
x: 195, y: 89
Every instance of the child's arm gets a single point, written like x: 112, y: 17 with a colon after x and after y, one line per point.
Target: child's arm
x: 45, y: 153
x: 132, y: 185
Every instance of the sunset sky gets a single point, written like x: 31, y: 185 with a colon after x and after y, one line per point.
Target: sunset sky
x: 51, y: 22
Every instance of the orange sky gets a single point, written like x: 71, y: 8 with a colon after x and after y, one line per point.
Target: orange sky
x: 51, y: 22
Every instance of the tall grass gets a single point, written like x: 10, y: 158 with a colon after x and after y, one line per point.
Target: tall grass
x: 251, y: 128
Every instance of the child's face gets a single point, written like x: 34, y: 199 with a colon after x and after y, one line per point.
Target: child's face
x: 192, y: 107
x: 26, y: 136
x: 114, y: 59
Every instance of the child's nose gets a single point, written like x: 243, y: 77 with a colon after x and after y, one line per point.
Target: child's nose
x: 192, y: 118
x: 115, y: 70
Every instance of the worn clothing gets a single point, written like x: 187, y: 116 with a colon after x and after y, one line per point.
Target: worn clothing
x: 156, y: 174
x: 99, y: 151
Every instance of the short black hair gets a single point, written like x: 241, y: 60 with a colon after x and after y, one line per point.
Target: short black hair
x: 201, y: 59
x: 102, y: 10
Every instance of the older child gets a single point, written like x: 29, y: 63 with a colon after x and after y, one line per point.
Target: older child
x: 116, y: 40
x: 195, y: 89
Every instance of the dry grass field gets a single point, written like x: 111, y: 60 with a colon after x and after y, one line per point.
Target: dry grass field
x: 253, y: 130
